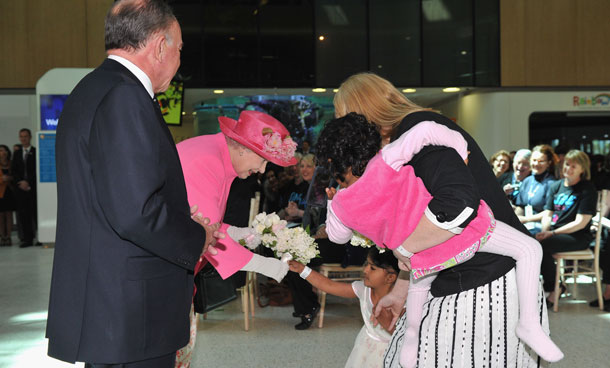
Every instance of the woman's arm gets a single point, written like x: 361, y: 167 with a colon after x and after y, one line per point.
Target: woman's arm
x: 323, y: 283
x: 533, y: 218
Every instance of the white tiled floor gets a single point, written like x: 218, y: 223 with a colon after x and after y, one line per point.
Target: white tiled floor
x: 582, y: 332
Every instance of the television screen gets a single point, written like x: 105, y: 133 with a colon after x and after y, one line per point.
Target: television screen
x: 50, y: 108
x: 170, y: 103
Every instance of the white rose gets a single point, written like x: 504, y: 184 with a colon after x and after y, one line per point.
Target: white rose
x: 259, y: 228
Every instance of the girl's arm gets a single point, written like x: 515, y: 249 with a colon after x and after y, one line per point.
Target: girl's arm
x: 323, y: 283
x: 402, y: 150
x: 336, y: 231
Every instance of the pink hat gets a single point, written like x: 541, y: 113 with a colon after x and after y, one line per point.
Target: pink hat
x: 263, y: 134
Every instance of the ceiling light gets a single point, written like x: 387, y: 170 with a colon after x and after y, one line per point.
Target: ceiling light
x: 319, y: 90
x: 336, y: 90
x: 409, y: 90
x: 219, y: 91
x: 321, y: 38
x: 451, y: 89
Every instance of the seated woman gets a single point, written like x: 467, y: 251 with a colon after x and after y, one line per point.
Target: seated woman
x: 500, y: 163
x: 532, y: 197
x: 571, y: 204
x: 296, y: 192
x: 386, y: 203
x: 511, y: 180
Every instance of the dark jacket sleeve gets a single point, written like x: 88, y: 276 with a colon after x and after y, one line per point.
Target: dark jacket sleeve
x: 133, y: 165
x: 447, y: 178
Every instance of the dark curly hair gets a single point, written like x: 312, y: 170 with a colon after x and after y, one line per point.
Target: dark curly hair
x: 385, y: 260
x: 347, y: 142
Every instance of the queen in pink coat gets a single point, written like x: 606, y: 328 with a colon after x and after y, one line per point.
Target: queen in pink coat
x: 210, y: 163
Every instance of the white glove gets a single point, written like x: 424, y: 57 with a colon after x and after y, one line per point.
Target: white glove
x: 270, y: 267
x: 246, y: 234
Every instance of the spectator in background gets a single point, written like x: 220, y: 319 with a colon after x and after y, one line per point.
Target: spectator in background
x: 7, y: 199
x: 294, y: 206
x: 511, y: 180
x: 306, y: 147
x: 23, y: 168
x: 500, y: 163
x: 599, y: 173
x: 534, y: 189
x: 560, y: 150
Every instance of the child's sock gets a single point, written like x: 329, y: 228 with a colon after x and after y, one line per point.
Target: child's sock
x: 528, y: 253
x: 418, y: 294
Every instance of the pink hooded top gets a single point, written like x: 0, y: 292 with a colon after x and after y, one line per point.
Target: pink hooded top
x: 388, y: 201
x: 208, y: 174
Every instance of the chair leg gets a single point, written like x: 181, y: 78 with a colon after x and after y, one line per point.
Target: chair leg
x: 598, y: 286
x: 244, y: 305
x: 574, y: 279
x: 251, y: 292
x: 322, y: 308
x: 558, y: 271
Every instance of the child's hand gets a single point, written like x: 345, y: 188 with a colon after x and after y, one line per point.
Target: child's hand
x: 295, y: 266
x: 385, y: 320
x: 330, y: 192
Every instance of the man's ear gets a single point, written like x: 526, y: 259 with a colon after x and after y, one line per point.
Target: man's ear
x: 159, y: 42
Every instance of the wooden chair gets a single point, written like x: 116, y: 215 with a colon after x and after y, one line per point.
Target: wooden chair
x: 576, y: 269
x: 335, y: 272
x: 250, y: 288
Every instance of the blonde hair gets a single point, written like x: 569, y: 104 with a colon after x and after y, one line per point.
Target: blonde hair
x: 309, y: 158
x: 501, y: 153
x: 374, y: 97
x: 581, y: 158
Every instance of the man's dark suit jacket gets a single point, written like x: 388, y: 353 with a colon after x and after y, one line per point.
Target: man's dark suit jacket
x: 21, y: 170
x: 126, y: 246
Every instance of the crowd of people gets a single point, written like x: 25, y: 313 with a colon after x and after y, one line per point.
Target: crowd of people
x: 449, y: 225
x: 18, y: 191
x: 554, y: 193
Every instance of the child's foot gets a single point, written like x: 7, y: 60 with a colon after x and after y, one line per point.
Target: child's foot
x: 408, y: 354
x: 539, y: 341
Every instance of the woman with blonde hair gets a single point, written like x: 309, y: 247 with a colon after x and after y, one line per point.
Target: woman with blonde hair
x: 456, y: 189
x: 571, y: 204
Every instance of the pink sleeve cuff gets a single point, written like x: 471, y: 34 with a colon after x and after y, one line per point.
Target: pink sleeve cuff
x: 231, y: 256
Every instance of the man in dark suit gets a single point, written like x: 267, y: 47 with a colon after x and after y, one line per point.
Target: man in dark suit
x: 23, y: 168
x: 126, y: 245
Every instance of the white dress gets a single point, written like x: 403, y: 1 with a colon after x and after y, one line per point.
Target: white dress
x: 371, y: 341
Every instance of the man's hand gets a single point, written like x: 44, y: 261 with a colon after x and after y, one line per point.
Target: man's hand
x: 394, y: 302
x: 211, y: 231
x: 24, y: 185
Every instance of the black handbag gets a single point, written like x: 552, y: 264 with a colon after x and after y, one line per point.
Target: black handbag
x: 212, y: 291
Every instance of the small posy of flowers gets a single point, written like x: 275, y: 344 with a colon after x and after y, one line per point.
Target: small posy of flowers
x: 359, y: 240
x: 286, y: 243
x: 278, y: 148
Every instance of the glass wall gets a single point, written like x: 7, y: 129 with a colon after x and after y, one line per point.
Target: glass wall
x: 319, y: 43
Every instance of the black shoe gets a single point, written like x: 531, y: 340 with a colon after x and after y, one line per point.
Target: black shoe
x: 25, y: 245
x: 38, y: 244
x: 307, y: 320
x: 297, y: 315
x: 595, y: 303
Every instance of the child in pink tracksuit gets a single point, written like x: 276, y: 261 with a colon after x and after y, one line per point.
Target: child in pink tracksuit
x: 387, y: 202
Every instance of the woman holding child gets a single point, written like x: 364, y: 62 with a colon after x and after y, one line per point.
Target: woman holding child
x: 464, y: 296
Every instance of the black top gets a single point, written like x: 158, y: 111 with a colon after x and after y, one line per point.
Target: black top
x: 477, y: 176
x: 566, y: 202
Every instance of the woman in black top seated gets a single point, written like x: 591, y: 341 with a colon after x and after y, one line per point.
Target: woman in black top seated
x: 567, y: 215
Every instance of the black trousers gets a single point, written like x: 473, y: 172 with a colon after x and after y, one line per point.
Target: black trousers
x: 556, y: 244
x: 26, y: 214
x: 165, y: 361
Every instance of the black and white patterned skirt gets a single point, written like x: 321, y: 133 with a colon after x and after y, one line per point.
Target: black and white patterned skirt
x: 474, y: 328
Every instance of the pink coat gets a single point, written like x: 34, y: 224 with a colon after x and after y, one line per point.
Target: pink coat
x: 208, y: 174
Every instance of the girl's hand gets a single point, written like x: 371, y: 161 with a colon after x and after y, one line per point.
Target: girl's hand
x: 295, y: 266
x: 330, y: 192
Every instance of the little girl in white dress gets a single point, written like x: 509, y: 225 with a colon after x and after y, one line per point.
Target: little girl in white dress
x: 380, y: 273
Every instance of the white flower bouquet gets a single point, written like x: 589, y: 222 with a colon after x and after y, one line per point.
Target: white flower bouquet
x: 287, y: 243
x: 360, y: 240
